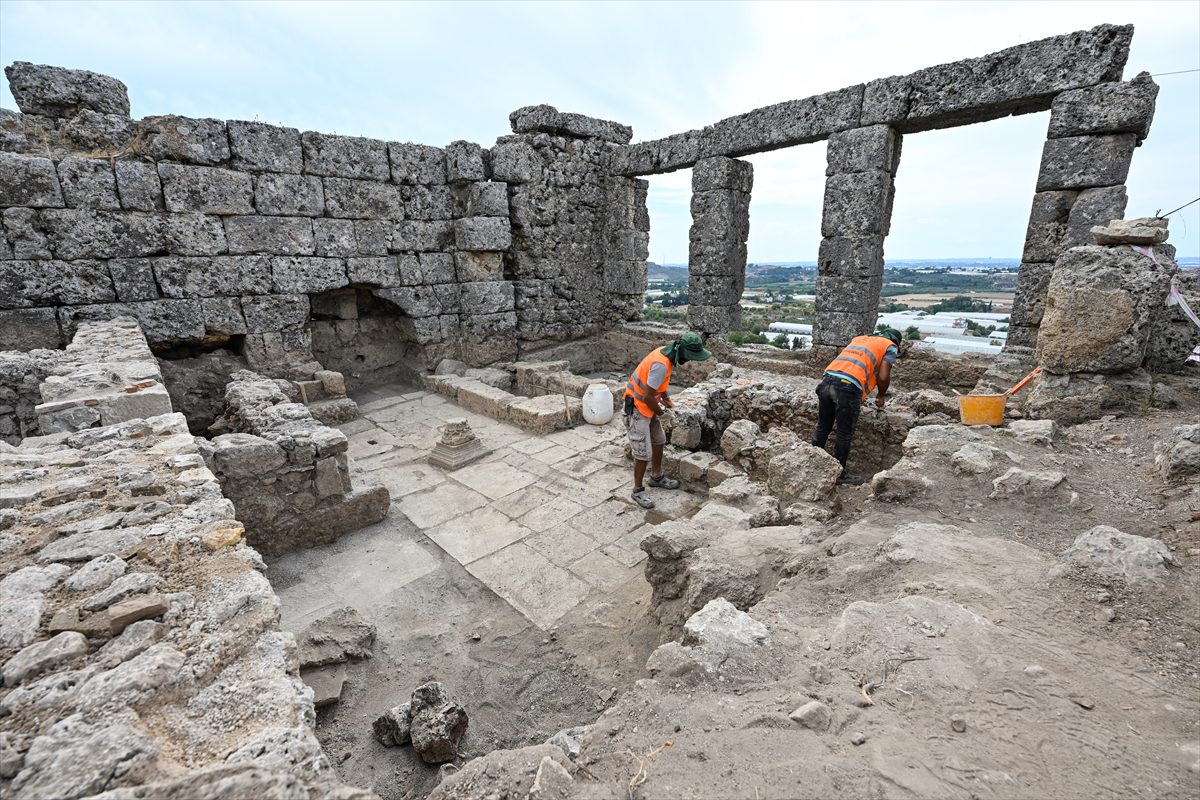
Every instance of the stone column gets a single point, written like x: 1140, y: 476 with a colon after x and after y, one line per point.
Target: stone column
x: 717, y: 243
x: 1081, y: 183
x: 859, y: 187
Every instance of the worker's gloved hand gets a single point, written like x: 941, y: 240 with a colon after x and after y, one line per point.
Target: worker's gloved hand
x: 667, y: 416
x: 879, y: 402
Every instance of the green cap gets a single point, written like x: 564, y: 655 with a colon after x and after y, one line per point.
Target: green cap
x: 692, y: 347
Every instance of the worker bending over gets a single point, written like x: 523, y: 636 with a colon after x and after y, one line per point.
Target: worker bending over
x: 646, y: 402
x: 863, y: 365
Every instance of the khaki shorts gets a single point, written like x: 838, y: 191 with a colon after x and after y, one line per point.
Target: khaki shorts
x: 643, y: 432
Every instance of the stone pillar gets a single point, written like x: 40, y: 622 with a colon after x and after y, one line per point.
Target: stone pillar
x: 1081, y: 183
x: 859, y: 187
x: 717, y: 243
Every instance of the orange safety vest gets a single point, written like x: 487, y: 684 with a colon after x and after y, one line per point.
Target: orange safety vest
x: 861, y: 359
x: 639, y: 382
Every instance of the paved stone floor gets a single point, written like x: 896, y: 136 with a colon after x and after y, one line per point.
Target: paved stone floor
x: 543, y: 521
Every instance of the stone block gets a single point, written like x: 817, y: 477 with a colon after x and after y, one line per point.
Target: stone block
x: 29, y: 181
x: 548, y: 119
x: 464, y: 162
x: 209, y: 190
x: 259, y: 147
x: 133, y: 279
x: 478, y: 266
x: 545, y: 414
x: 223, y: 316
x: 628, y: 278
x: 851, y: 257
x: 516, y: 162
x: 88, y: 183
x: 488, y: 200
x: 373, y: 237
x: 1082, y: 162
x: 29, y: 329
x: 194, y: 235
x: 486, y: 298
x: 1118, y: 107
x: 373, y: 271
x: 483, y: 399
x: 335, y: 237
x: 483, y: 233
x: 289, y: 195
x: 1015, y: 80
x: 715, y: 319
x: 419, y: 236
x: 127, y: 612
x: 1029, y: 302
x: 345, y: 156
x: 268, y: 313
x: 1047, y: 225
x: 876, y: 147
x: 162, y: 321
x: 716, y: 290
x: 784, y: 124
x: 722, y: 173
x: 423, y: 301
x: 138, y: 186
x: 672, y: 152
x: 1100, y: 309
x: 61, y: 93
x: 301, y: 275
x: 174, y: 138
x: 428, y: 202
x: 285, y: 236
x: 1093, y: 207
x: 857, y: 204
x: 95, y: 133
x: 435, y: 268
x: 360, y: 199
x: 857, y: 294
x: 24, y: 284
x: 416, y: 164
x: 837, y: 328
x: 217, y: 276
x: 21, y: 230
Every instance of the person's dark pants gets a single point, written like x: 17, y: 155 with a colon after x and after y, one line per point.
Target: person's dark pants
x: 840, y: 403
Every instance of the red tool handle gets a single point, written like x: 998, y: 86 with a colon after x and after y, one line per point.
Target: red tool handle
x: 1021, y: 383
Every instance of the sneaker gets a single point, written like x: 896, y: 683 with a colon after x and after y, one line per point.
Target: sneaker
x: 662, y: 482
x: 642, y: 499
x: 850, y: 480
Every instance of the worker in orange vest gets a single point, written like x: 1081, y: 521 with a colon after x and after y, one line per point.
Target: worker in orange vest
x: 646, y: 402
x: 863, y: 365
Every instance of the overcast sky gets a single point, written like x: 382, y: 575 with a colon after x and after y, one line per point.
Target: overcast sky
x: 436, y: 72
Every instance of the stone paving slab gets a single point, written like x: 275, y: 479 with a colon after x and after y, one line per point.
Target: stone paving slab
x: 492, y: 481
x: 435, y: 506
x: 531, y: 583
x: 563, y: 545
x: 474, y: 535
x: 602, y: 571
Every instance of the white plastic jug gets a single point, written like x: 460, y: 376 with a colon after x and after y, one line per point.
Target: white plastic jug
x: 598, y: 404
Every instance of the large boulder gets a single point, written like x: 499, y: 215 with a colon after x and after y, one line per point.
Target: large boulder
x: 1100, y: 308
x: 805, y: 473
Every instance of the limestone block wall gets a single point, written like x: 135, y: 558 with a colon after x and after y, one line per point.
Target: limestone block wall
x: 139, y: 640
x: 21, y: 375
x: 287, y: 474
x: 205, y: 229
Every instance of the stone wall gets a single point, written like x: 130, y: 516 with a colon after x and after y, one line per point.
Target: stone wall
x: 205, y: 230
x: 140, y: 641
x: 21, y: 375
x: 1096, y: 121
x: 287, y: 474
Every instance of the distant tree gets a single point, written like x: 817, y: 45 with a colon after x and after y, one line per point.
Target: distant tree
x: 960, y: 302
x: 797, y: 343
x: 737, y: 337
x: 912, y: 332
x: 781, y: 341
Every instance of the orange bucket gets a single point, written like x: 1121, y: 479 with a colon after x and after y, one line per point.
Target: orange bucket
x: 982, y: 409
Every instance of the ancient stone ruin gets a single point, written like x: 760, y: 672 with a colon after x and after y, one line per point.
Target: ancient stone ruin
x: 294, y: 471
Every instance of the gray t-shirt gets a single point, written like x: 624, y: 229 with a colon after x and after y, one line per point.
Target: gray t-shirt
x: 657, y: 376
